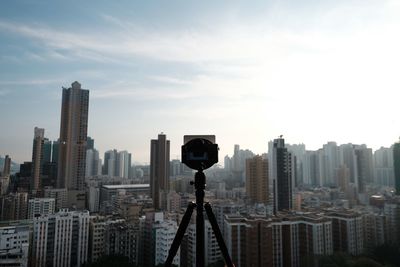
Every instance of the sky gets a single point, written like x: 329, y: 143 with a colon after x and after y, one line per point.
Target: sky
x: 246, y: 71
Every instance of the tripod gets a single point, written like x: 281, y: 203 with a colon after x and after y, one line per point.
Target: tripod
x: 199, y: 185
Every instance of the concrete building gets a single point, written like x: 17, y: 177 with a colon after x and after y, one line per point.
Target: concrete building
x: 257, y: 180
x: 7, y: 166
x: 61, y: 239
x: 159, y: 171
x: 93, y: 163
x: 14, y: 246
x: 123, y: 164
x: 383, y: 166
x: 37, y: 159
x: 396, y: 164
x: 41, y: 206
x: 222, y: 208
x: 375, y: 230
x: 122, y: 238
x: 282, y: 174
x: 365, y: 171
x: 14, y: 206
x: 4, y: 185
x: 73, y: 138
x: 108, y: 191
x: 392, y: 212
x: 157, y: 235
x: 348, y: 158
x: 348, y: 232
x: 117, y: 164
x: 173, y: 202
x: 97, y: 243
x: 211, y: 250
x: 93, y: 198
x: 110, y: 162
x: 5, y: 176
x: 285, y: 240
x: 299, y: 152
x: 59, y: 195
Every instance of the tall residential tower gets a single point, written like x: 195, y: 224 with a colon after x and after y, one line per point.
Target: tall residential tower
x: 37, y: 158
x: 73, y: 137
x: 159, y: 169
x: 257, y: 180
x: 396, y: 165
x: 282, y: 172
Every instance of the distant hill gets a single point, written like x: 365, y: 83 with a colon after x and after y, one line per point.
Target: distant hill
x: 14, y: 166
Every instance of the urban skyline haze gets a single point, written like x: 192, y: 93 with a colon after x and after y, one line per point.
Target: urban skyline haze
x: 314, y: 72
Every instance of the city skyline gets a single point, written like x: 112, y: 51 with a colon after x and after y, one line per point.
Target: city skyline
x: 229, y: 69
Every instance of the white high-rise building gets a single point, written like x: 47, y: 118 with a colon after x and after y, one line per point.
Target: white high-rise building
x: 123, y: 164
x: 383, y: 166
x: 14, y: 246
x: 331, y: 163
x: 61, y: 239
x: 212, y: 252
x: 164, y: 236
x: 117, y: 164
x: 110, y: 158
x: 93, y: 163
x: 41, y: 206
x: 158, y: 234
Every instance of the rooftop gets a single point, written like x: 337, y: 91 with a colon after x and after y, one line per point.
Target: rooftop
x: 127, y: 186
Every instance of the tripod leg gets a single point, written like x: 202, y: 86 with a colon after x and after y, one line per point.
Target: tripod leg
x: 218, y: 235
x: 179, y: 234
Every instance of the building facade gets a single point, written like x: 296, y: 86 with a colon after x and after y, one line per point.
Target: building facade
x: 41, y: 206
x: 61, y: 239
x: 14, y: 246
x: 37, y: 158
x: 257, y: 180
x: 159, y: 170
x: 282, y: 168
x: 73, y: 138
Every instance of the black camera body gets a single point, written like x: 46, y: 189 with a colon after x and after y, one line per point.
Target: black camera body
x: 199, y: 152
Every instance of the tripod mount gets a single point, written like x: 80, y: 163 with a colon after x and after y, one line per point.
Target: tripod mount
x: 199, y: 185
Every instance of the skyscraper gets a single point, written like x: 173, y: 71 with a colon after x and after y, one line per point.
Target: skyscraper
x: 123, y: 164
x: 396, y: 165
x: 47, y: 148
x: 282, y: 172
x: 37, y: 158
x: 110, y: 158
x: 365, y: 172
x: 5, y: 176
x: 73, y: 137
x: 159, y: 169
x: 383, y: 166
x: 56, y: 151
x: 117, y: 164
x: 93, y: 163
x: 7, y: 166
x: 257, y: 180
x: 90, y: 143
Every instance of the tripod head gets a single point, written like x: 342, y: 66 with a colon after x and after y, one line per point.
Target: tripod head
x: 199, y: 152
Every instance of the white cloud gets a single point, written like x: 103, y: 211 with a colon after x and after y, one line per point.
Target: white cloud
x: 337, y: 75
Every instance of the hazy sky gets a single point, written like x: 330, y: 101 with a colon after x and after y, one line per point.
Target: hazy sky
x: 246, y: 71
